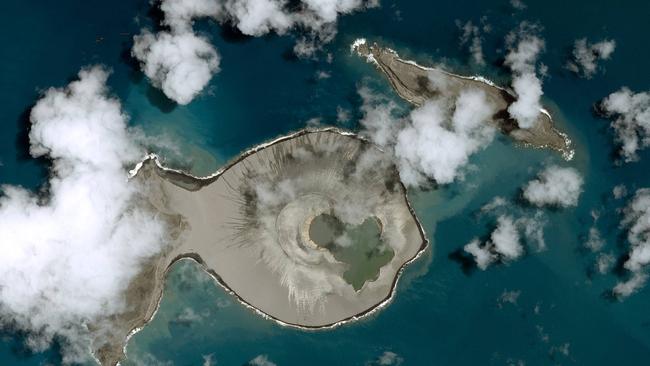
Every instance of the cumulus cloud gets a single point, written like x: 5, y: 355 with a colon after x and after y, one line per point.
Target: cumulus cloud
x: 483, y: 255
x: 342, y: 115
x: 178, y: 61
x: 604, y: 262
x: 187, y: 316
x: 435, y: 141
x: 594, y: 241
x: 554, y: 186
x: 179, y: 14
x: 209, y: 360
x: 379, y: 121
x: 435, y: 145
x: 505, y: 239
x: 586, y: 56
x: 637, y: 221
x: 496, y: 203
x: 518, y: 4
x: 68, y: 254
x: 514, y: 227
x: 533, y: 229
x: 632, y: 285
x: 181, y: 64
x: 619, y: 191
x: 524, y: 48
x: 261, y: 360
x: 632, y: 120
x: 316, y: 18
x: 387, y: 358
x: 508, y: 297
x: 471, y: 37
x: 504, y: 244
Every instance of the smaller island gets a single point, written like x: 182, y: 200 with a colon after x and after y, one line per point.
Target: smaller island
x: 413, y: 83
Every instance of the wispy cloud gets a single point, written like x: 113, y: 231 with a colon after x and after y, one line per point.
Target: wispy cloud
x: 585, y: 56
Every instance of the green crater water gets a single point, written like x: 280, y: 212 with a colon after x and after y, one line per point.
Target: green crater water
x: 360, y: 247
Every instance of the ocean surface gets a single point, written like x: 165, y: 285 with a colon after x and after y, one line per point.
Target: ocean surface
x: 443, y: 313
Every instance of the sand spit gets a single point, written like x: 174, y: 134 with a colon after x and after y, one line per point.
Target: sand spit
x: 415, y: 84
x: 247, y: 226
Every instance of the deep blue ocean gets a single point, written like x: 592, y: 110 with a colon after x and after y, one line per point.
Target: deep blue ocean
x: 442, y: 314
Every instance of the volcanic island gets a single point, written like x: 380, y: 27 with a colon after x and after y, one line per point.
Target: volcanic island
x: 311, y: 230
x: 417, y: 84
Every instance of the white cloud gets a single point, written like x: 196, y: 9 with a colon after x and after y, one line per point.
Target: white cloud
x: 387, y: 358
x: 514, y: 227
x: 619, y: 191
x: 594, y: 241
x: 379, y: 121
x: 496, y: 202
x: 504, y: 244
x: 208, y: 360
x: 555, y: 186
x: 180, y: 64
x: 317, y: 18
x: 508, y: 297
x: 261, y: 360
x: 342, y: 115
x: 506, y: 240
x: 482, y: 254
x: 632, y: 123
x: 513, y: 362
x: 562, y: 349
x: 435, y: 145
x: 604, y: 262
x: 637, y: 220
x: 471, y: 36
x: 258, y: 17
x: 526, y: 108
x: 632, y: 285
x: 518, y: 4
x: 321, y: 75
x: 148, y: 359
x: 179, y: 14
x: 524, y: 49
x: 188, y: 315
x: 68, y: 257
x: 586, y: 56
x: 533, y: 229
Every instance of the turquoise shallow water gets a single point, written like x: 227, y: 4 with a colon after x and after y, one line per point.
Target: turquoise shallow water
x: 441, y: 315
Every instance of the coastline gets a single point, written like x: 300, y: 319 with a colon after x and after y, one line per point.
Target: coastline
x: 385, y: 301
